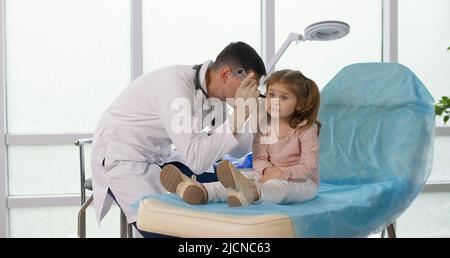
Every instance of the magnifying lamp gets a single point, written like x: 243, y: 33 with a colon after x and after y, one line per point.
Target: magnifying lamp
x: 320, y: 31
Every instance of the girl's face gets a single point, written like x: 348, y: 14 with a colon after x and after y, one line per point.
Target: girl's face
x: 280, y: 102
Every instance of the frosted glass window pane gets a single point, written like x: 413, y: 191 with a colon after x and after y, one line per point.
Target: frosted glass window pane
x: 60, y: 222
x: 428, y: 216
x: 322, y: 60
x: 441, y: 163
x: 45, y: 169
x: 191, y: 32
x: 423, y: 36
x: 66, y: 60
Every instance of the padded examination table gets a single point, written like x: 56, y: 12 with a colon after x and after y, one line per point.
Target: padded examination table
x: 337, y: 211
x: 376, y: 152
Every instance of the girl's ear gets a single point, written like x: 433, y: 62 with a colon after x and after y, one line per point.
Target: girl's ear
x: 299, y: 106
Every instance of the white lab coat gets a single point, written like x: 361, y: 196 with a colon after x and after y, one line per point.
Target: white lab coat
x: 134, y: 136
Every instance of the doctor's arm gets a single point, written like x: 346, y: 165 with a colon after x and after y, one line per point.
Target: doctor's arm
x: 245, y: 114
x: 245, y: 144
x: 174, y: 104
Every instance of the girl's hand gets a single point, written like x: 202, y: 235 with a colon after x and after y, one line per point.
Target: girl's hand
x: 271, y: 173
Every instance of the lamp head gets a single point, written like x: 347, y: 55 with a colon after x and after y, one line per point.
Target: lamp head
x: 326, y: 30
x: 320, y: 31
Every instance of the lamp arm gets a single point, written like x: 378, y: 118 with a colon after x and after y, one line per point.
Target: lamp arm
x: 292, y: 37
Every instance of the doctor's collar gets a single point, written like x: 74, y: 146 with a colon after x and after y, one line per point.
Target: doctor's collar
x: 202, y: 77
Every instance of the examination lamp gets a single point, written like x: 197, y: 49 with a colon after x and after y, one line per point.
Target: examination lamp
x: 320, y: 31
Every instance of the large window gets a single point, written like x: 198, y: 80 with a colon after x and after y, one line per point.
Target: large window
x: 428, y: 216
x: 60, y: 222
x: 44, y: 169
x: 191, y: 32
x: 62, y: 72
x: 423, y: 39
x: 65, y: 62
x: 322, y: 60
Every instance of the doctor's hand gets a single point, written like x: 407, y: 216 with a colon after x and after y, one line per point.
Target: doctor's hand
x: 248, y: 88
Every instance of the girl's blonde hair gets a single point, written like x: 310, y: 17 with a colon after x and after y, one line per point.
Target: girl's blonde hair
x: 307, y: 93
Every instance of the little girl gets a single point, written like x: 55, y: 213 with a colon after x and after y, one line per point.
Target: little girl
x: 287, y: 171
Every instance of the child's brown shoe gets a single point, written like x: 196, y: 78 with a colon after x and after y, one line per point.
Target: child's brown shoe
x: 241, y: 190
x: 187, y: 188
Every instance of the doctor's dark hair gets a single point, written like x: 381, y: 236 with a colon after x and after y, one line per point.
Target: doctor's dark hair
x: 240, y: 54
x: 307, y: 94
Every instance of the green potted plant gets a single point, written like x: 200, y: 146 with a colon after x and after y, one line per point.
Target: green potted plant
x: 442, y: 108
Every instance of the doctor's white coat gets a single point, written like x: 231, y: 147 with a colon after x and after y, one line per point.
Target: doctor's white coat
x: 135, y: 134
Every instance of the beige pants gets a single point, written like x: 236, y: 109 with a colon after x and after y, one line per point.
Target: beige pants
x: 273, y: 191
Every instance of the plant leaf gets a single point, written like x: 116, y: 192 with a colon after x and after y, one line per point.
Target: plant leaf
x: 438, y: 110
x: 446, y: 119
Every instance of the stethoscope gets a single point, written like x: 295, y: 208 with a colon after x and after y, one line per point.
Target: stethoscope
x: 197, y: 80
x: 199, y: 87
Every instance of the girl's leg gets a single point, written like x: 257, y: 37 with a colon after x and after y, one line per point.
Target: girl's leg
x: 300, y: 192
x: 281, y: 191
x: 273, y: 191
x: 216, y: 192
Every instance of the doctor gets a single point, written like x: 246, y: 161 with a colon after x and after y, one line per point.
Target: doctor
x: 134, y: 135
